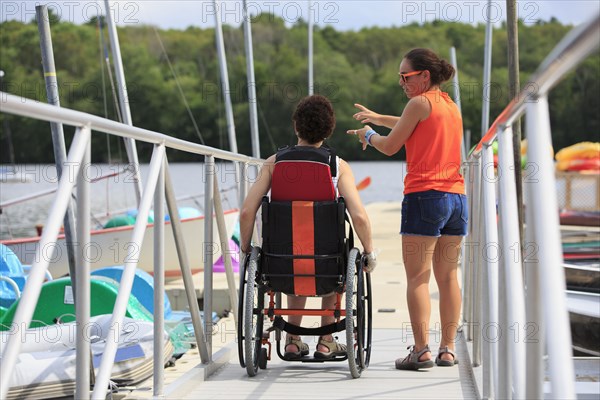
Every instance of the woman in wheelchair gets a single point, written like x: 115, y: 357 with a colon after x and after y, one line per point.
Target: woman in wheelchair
x: 296, y: 174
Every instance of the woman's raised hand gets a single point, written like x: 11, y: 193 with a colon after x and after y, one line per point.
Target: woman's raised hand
x: 360, y: 133
x: 365, y: 115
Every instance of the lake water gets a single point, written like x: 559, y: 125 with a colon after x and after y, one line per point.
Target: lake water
x: 117, y: 193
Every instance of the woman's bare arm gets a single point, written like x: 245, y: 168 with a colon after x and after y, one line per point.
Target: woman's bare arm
x: 360, y: 219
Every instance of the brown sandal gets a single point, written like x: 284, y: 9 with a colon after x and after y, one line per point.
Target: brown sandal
x: 295, y: 355
x: 411, y: 361
x: 335, y: 349
x: 445, y: 363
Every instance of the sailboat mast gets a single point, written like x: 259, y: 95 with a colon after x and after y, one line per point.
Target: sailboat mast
x: 311, y: 85
x: 123, y: 99
x: 58, y: 135
x: 224, y: 79
x: 456, y: 85
x: 252, y: 100
x: 487, y: 72
x: 9, y: 143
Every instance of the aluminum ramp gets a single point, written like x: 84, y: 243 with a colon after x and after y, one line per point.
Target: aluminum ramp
x: 293, y: 380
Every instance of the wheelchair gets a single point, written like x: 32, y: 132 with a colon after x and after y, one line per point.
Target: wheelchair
x: 320, y: 260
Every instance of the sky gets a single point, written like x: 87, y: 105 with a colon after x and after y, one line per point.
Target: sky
x: 341, y: 15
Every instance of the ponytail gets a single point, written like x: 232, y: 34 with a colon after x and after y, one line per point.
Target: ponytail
x: 424, y: 59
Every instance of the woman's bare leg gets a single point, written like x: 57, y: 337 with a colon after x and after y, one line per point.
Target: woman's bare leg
x: 445, y: 266
x: 417, y: 253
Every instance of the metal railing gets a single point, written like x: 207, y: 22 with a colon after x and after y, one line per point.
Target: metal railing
x: 159, y: 187
x: 515, y: 304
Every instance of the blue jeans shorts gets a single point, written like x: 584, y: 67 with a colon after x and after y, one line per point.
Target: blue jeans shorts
x: 434, y: 213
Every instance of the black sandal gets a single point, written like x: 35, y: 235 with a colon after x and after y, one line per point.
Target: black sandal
x: 445, y: 363
x: 411, y: 361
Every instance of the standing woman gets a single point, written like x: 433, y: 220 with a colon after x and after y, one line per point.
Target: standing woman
x: 434, y: 209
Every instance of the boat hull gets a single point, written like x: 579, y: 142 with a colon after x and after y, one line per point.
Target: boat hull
x: 113, y: 246
x: 584, y: 317
x: 584, y: 278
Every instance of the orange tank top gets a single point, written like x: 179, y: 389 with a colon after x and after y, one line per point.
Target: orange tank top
x: 433, y: 151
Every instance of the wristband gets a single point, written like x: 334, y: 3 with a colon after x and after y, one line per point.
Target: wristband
x: 368, y: 136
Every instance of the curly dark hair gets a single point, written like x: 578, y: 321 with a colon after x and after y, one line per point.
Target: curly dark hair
x: 425, y: 59
x: 314, y: 118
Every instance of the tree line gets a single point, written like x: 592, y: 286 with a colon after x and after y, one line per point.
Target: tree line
x: 350, y: 67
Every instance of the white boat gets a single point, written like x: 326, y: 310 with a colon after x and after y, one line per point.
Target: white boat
x: 111, y: 246
x: 583, y: 277
x: 46, y: 364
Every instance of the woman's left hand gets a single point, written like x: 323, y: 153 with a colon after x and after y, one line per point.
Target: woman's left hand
x: 361, y: 135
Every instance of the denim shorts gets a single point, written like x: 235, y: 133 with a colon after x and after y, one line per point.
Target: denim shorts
x: 434, y: 213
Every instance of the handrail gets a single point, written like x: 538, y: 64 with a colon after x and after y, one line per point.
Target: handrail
x: 85, y: 123
x: 34, y: 109
x: 578, y: 44
x: 495, y: 288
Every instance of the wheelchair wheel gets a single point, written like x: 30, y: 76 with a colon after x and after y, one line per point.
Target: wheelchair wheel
x: 354, y: 336
x: 365, y: 314
x: 263, y: 357
x: 240, y: 316
x: 253, y: 317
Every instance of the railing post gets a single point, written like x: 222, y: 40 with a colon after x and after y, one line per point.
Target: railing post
x: 510, y: 245
x: 546, y: 230
x: 132, y: 259
x: 490, y: 253
x: 534, y: 359
x: 225, y: 251
x: 474, y: 240
x: 188, y: 281
x: 477, y: 282
x: 467, y: 255
x: 208, y: 249
x: 243, y: 188
x: 478, y: 288
x: 159, y: 282
x: 37, y: 273
x: 83, y: 303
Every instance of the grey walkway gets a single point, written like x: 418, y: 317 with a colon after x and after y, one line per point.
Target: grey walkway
x: 286, y: 380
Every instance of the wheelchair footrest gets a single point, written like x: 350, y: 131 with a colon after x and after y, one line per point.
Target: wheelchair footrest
x: 309, y: 359
x: 281, y: 324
